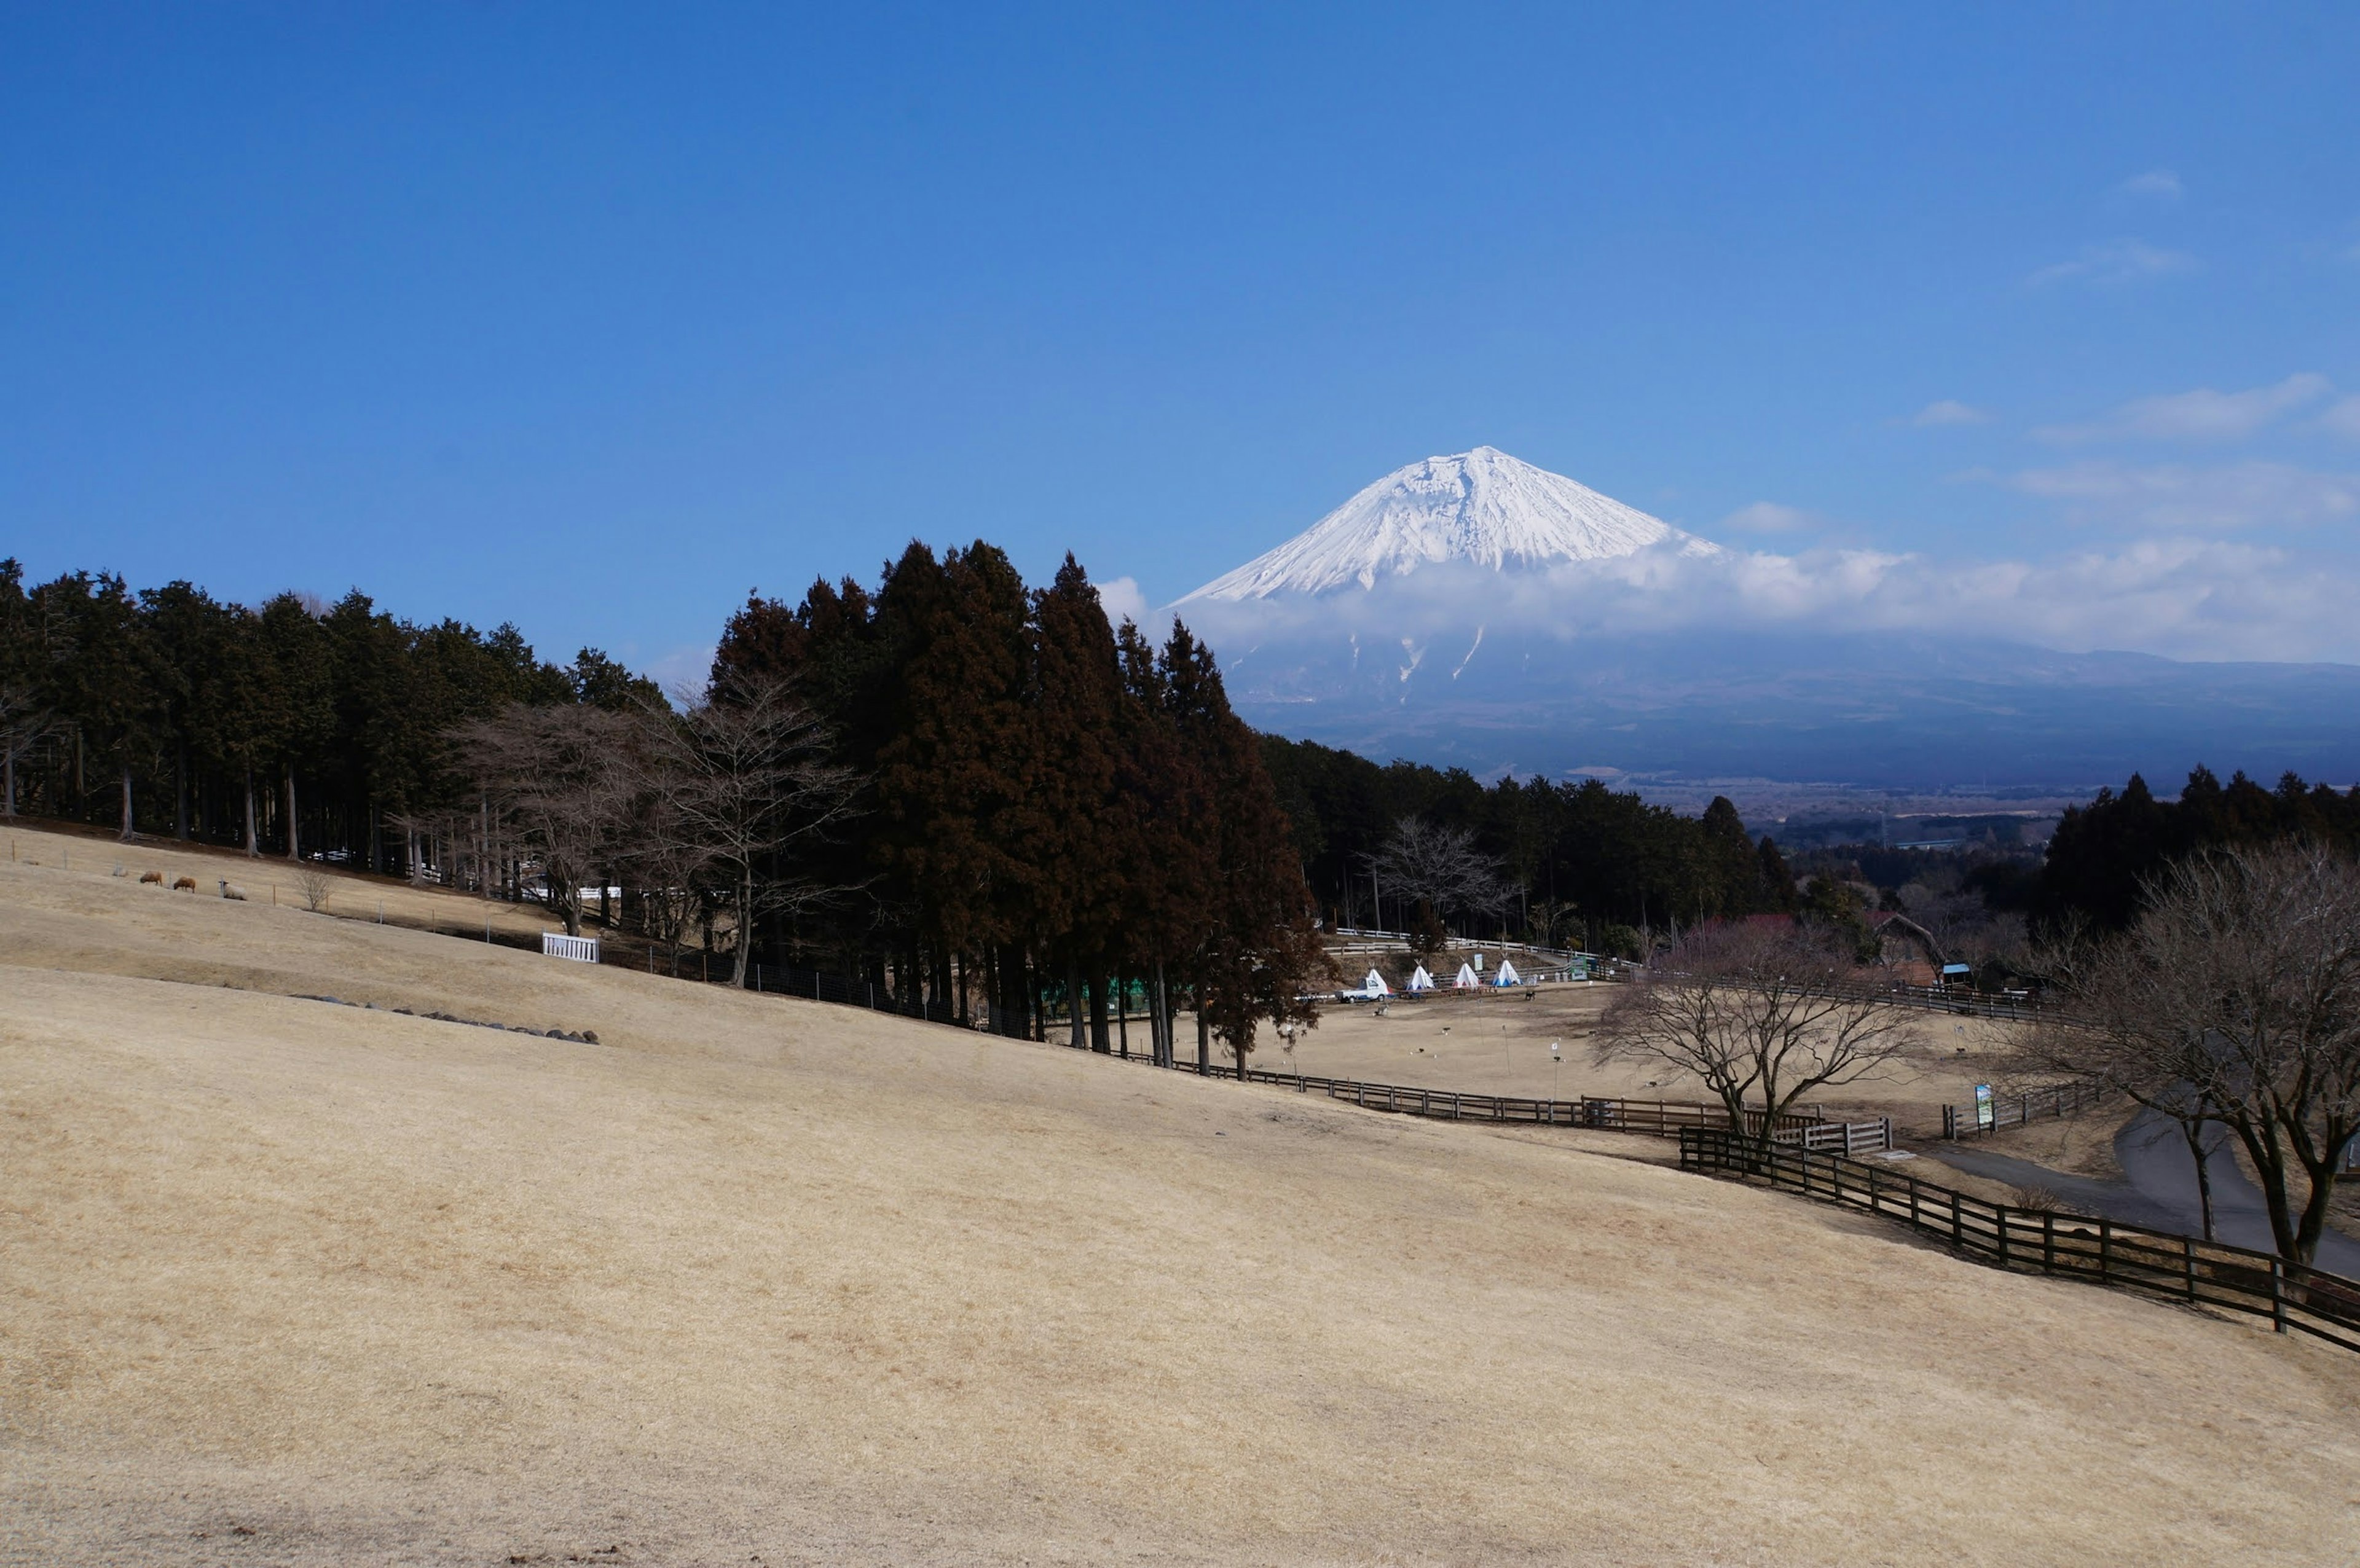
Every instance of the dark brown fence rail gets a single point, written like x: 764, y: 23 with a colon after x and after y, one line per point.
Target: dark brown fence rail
x: 2178, y: 1267
x: 1659, y: 1118
x: 2024, y: 1105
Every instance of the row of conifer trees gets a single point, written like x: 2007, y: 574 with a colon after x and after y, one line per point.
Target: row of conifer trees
x: 292, y: 727
x: 1047, y: 813
x: 1050, y: 808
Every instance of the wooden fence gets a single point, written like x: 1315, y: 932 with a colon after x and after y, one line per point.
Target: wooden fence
x: 1660, y: 1118
x: 2025, y: 1105
x: 2178, y: 1267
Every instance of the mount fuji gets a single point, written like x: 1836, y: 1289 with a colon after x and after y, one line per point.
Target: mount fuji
x: 1475, y: 610
x: 1480, y: 507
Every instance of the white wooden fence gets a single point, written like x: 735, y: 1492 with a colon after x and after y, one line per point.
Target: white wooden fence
x: 557, y: 945
x: 1841, y: 1138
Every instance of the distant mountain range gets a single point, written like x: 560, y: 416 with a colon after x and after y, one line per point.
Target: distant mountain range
x: 1478, y: 611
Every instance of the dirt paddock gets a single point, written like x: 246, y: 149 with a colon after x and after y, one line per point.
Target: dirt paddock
x: 758, y: 1281
x: 1497, y: 1042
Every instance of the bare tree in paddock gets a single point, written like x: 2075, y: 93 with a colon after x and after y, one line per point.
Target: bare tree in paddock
x: 741, y: 778
x: 1763, y: 1014
x: 557, y: 776
x: 1441, y: 867
x: 2234, y: 998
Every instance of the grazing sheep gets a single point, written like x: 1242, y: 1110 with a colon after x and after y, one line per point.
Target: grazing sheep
x: 148, y: 877
x: 184, y: 885
x: 230, y: 892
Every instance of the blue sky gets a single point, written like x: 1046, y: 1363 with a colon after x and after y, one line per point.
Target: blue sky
x: 591, y: 318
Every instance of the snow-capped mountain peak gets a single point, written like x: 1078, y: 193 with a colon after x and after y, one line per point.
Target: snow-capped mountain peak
x: 1481, y: 507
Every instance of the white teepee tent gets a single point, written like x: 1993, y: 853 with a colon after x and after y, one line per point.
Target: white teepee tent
x: 1420, y: 980
x: 1466, y: 981
x: 1507, y: 973
x: 1376, y: 985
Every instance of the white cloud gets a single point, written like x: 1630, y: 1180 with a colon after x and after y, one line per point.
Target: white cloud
x: 1767, y: 518
x: 684, y: 668
x: 2182, y: 597
x: 2342, y: 417
x: 1949, y: 412
x: 1122, y: 600
x: 2116, y: 261
x: 2160, y: 184
x: 2202, y: 414
x: 2178, y: 497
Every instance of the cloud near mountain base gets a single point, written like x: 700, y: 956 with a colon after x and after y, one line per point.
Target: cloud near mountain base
x: 2182, y: 598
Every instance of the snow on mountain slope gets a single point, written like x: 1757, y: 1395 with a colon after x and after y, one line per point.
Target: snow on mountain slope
x: 1481, y: 506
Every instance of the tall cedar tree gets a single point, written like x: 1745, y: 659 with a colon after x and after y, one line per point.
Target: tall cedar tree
x: 1172, y: 834
x: 952, y: 782
x: 1079, y: 835
x: 1261, y: 947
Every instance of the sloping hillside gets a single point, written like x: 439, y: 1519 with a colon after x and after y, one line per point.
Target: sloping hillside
x: 760, y: 1280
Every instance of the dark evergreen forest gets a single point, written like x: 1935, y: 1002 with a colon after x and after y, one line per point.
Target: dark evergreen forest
x: 1587, y: 865
x: 2105, y: 852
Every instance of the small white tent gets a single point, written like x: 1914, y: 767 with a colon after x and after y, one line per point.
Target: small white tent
x: 1466, y: 981
x: 1420, y: 980
x: 1376, y: 985
x: 1507, y: 973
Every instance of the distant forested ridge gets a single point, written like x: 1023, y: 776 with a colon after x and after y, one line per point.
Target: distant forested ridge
x: 2104, y: 853
x: 1577, y: 857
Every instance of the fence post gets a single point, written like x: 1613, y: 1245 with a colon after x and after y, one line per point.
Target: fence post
x: 2049, y: 1245
x: 2278, y: 1295
x: 2002, y: 1210
x: 2188, y: 1262
x: 1949, y: 1122
x: 2105, y: 1251
x: 1957, y: 1225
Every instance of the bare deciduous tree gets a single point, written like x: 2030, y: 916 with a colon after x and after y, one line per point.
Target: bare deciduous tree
x: 1441, y: 867
x: 559, y: 776
x: 740, y: 779
x: 2236, y: 998
x: 1764, y: 1014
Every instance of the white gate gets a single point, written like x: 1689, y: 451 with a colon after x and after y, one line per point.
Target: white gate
x: 557, y: 945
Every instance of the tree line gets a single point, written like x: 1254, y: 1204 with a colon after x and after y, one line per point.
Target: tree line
x: 1566, y: 864
x: 983, y: 797
x: 2105, y: 853
x: 292, y: 727
x: 1049, y: 806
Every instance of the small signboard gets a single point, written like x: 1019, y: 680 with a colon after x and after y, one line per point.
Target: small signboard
x: 1983, y: 1111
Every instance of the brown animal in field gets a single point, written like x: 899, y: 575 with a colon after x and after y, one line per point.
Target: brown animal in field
x: 230, y: 892
x: 184, y: 885
x: 148, y: 877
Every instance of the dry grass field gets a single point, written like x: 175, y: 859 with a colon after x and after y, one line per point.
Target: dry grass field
x: 754, y: 1281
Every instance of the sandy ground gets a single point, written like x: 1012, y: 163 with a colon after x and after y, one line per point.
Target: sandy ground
x: 758, y: 1280
x: 1497, y: 1043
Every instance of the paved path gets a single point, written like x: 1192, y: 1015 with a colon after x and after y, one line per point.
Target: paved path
x: 2160, y: 1192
